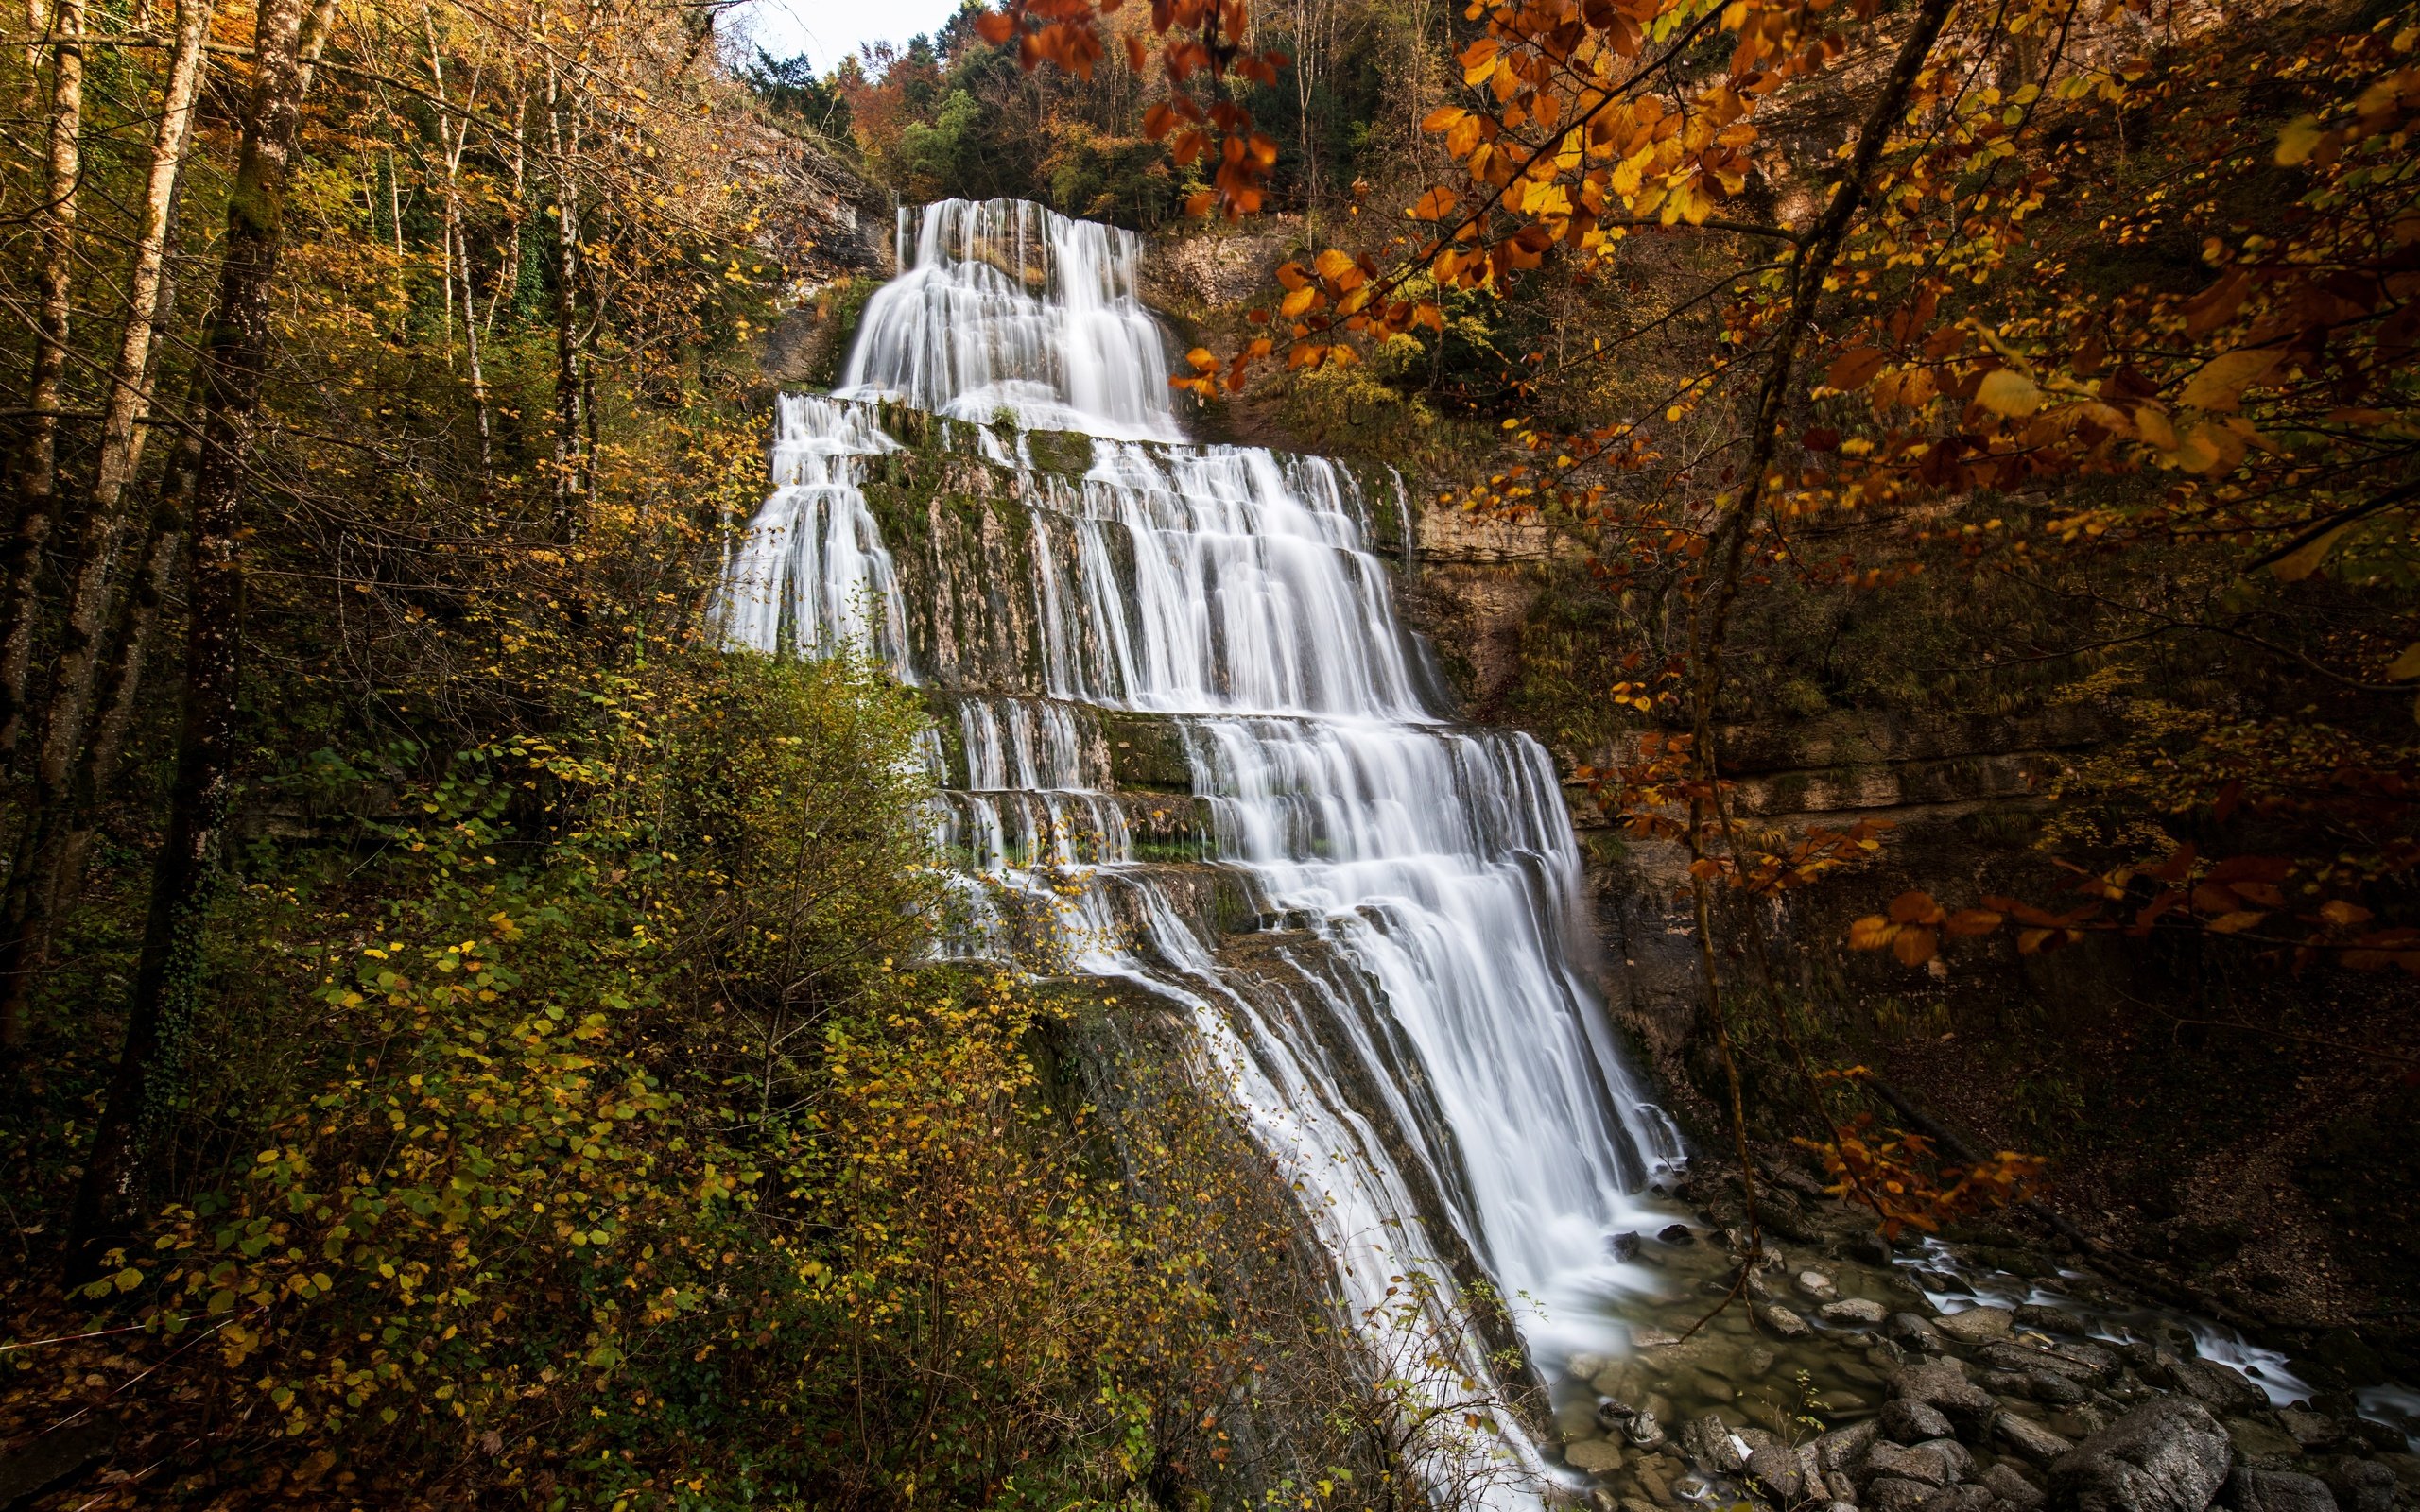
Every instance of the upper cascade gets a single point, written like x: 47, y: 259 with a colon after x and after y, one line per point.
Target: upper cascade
x: 1008, y: 306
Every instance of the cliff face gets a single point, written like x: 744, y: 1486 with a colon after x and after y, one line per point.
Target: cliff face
x: 2197, y: 1121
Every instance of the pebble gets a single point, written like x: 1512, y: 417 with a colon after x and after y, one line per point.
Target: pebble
x: 1854, y: 1312
x: 1781, y: 1322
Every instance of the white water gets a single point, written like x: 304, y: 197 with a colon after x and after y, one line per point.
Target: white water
x: 1418, y: 1045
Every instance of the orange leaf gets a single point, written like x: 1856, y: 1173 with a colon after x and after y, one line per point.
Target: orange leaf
x: 1914, y: 946
x: 1854, y: 369
x: 1914, y: 907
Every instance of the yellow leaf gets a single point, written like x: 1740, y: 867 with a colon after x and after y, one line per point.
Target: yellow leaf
x: 2296, y: 142
x: 2152, y: 426
x: 1478, y: 60
x: 1434, y: 204
x: 1298, y: 302
x: 2006, y: 391
x: 2406, y: 666
x: 1332, y: 264
x: 2305, y: 559
x: 1443, y: 118
x: 2221, y: 381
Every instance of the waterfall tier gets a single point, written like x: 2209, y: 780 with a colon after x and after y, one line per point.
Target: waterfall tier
x: 1175, y: 675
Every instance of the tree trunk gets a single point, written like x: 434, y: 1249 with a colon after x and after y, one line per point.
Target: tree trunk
x: 235, y: 361
x: 570, y: 387
x: 93, y: 602
x: 38, y: 460
x: 138, y: 622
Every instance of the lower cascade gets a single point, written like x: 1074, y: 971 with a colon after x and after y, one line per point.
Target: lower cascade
x: 1410, y: 1035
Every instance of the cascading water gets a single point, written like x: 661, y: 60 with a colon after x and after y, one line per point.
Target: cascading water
x: 1415, y: 1043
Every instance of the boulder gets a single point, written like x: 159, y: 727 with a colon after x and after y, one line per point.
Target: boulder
x: 1977, y: 1325
x: 2250, y: 1490
x: 1586, y: 1367
x: 1854, y: 1312
x: 2214, y: 1385
x: 1780, y: 1321
x: 2361, y: 1484
x: 1815, y: 1286
x: 2011, y: 1485
x: 1779, y: 1468
x: 1844, y: 1450
x: 1679, y: 1233
x: 1622, y: 1246
x: 1942, y: 1386
x: 1712, y: 1447
x: 1964, y: 1498
x: 1889, y: 1493
x: 2086, y: 1363
x: 2169, y: 1456
x: 2042, y: 1319
x: 2029, y: 1440
x: 1909, y: 1463
x: 2310, y: 1430
x: 1913, y: 1422
x: 1593, y: 1456
x: 1915, y: 1332
x: 1614, y: 1415
x: 2053, y: 1389
x: 1953, y: 1456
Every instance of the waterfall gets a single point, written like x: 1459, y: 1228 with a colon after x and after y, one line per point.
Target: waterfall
x: 1410, y: 1032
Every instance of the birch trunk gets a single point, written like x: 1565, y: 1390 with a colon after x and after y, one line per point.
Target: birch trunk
x: 235, y: 363
x: 38, y: 462
x: 93, y: 600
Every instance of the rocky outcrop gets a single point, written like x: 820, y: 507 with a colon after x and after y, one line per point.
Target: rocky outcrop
x: 2169, y: 1456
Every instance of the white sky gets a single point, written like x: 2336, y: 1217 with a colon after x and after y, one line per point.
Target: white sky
x: 827, y: 30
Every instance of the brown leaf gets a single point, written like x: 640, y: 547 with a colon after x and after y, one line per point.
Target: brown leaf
x: 1854, y: 369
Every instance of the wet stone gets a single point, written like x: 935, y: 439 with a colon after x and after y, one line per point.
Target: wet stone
x: 2361, y: 1484
x: 1961, y: 1499
x: 1622, y: 1246
x: 1943, y: 1385
x: 1615, y: 1416
x: 2029, y: 1440
x: 1679, y: 1233
x: 1780, y: 1472
x: 1781, y: 1322
x: 2043, y: 1319
x: 1854, y: 1312
x: 2053, y: 1389
x: 1910, y: 1463
x: 1573, y: 1418
x: 1975, y: 1325
x: 1844, y: 1449
x: 2168, y: 1456
x: 2011, y: 1484
x: 1953, y: 1456
x: 2251, y: 1490
x: 1815, y: 1286
x: 1586, y: 1367
x: 1890, y: 1494
x: 2254, y: 1439
x: 1913, y: 1422
x: 1594, y: 1455
x: 1913, y: 1332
